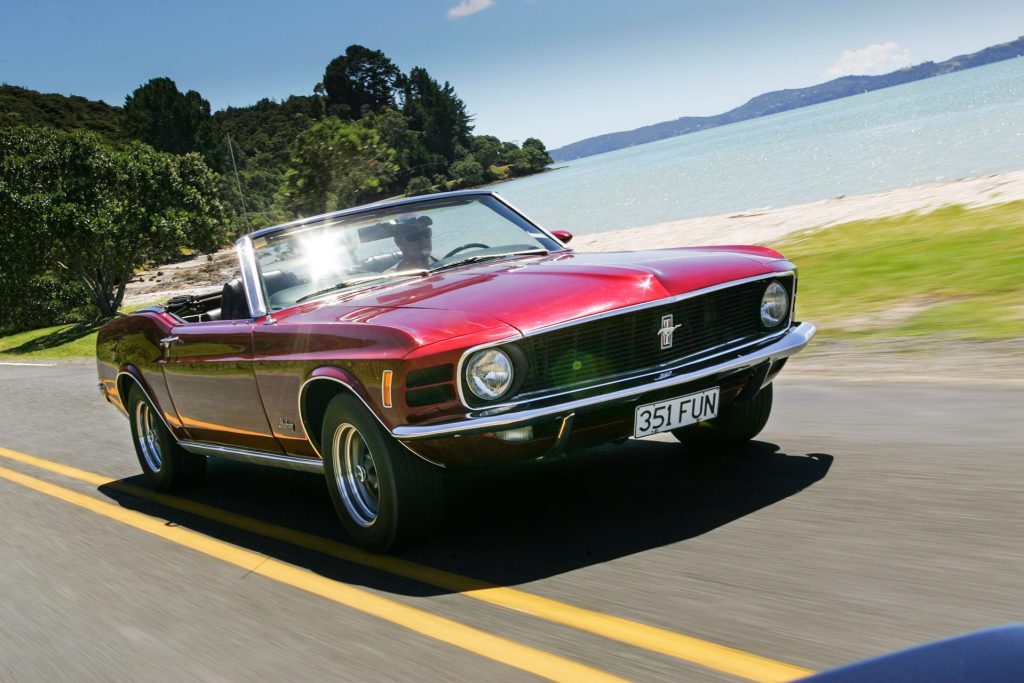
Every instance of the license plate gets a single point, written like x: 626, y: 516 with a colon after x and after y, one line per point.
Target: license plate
x: 673, y: 413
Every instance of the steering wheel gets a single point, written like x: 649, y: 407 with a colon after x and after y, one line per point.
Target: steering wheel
x: 463, y: 247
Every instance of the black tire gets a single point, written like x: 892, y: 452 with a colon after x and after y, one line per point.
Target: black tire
x: 735, y: 425
x: 167, y: 466
x: 397, y: 498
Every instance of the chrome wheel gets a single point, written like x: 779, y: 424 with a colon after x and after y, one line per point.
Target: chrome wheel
x: 147, y: 436
x: 355, y: 474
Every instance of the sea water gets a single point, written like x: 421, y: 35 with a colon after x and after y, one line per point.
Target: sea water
x: 963, y: 124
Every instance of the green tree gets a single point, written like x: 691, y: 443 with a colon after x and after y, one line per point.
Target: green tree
x: 361, y: 81
x: 517, y: 159
x: 41, y: 301
x: 487, y: 150
x: 71, y: 204
x: 169, y: 120
x: 335, y: 165
x: 438, y: 113
x: 468, y: 171
x: 538, y: 153
x: 531, y: 158
x: 411, y: 156
x: 24, y: 107
x: 419, y: 185
x: 262, y: 136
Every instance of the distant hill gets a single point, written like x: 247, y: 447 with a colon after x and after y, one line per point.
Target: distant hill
x: 784, y: 100
x: 24, y: 107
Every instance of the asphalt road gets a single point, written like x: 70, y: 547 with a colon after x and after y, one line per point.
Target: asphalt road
x: 867, y: 518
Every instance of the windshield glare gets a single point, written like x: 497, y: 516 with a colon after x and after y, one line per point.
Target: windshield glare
x: 374, y: 247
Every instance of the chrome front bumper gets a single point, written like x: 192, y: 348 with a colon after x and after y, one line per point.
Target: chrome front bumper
x: 789, y: 344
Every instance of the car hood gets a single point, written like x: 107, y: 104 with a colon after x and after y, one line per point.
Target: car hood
x: 533, y: 292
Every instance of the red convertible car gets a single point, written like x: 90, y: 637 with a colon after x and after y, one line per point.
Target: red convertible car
x: 382, y: 344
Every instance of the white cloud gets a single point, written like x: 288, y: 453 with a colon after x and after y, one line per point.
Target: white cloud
x: 878, y: 58
x: 467, y: 7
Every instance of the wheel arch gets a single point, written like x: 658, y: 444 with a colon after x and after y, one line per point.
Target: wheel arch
x: 316, y: 393
x: 322, y: 385
x: 126, y: 377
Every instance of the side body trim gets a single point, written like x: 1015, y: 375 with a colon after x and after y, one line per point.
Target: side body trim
x: 285, y: 462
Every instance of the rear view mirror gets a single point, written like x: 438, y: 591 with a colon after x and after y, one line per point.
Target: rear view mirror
x: 564, y: 236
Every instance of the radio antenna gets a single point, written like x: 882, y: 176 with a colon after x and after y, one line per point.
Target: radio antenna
x: 238, y: 182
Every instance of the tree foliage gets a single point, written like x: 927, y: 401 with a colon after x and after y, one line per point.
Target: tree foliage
x: 419, y: 185
x: 24, y: 107
x: 335, y: 164
x: 72, y: 205
x: 167, y: 119
x: 437, y: 112
x: 487, y: 150
x: 422, y: 120
x: 536, y: 155
x: 262, y: 136
x: 361, y: 81
x: 41, y: 301
x: 468, y: 172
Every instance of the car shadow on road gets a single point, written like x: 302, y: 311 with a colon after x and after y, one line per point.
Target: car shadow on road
x: 516, y: 524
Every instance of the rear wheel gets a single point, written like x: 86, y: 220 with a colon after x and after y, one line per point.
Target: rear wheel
x: 168, y: 466
x: 735, y: 425
x: 384, y: 495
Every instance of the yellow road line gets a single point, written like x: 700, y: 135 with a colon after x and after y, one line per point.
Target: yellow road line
x: 663, y: 641
x: 445, y: 630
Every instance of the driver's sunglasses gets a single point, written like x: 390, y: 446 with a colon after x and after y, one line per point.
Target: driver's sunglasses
x: 418, y: 235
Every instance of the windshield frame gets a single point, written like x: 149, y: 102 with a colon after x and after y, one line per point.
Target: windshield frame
x: 252, y: 280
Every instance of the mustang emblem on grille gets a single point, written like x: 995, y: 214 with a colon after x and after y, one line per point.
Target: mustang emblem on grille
x: 666, y: 331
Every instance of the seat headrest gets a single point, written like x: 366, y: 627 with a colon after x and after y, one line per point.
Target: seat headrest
x: 233, y: 305
x: 382, y: 262
x: 277, y: 280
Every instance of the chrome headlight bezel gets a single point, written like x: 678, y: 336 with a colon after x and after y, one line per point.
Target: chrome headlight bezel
x: 491, y: 361
x: 775, y: 305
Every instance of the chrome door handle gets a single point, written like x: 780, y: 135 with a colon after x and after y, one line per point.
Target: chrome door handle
x: 167, y: 341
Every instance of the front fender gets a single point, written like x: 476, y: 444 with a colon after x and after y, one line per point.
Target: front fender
x: 317, y: 390
x: 129, y: 374
x: 322, y: 385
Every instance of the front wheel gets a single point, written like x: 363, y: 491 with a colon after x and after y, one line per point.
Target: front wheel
x: 735, y: 425
x: 168, y: 466
x: 384, y: 495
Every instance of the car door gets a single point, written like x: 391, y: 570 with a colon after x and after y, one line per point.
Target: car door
x: 209, y: 371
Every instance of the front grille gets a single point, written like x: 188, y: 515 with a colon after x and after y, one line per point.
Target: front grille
x: 417, y: 398
x: 584, y: 354
x: 429, y: 386
x: 435, y: 374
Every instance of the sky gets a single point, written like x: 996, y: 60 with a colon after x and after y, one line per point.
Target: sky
x: 560, y: 70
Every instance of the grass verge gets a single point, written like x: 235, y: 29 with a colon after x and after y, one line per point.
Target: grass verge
x: 77, y: 340
x: 953, y: 272
x: 62, y: 341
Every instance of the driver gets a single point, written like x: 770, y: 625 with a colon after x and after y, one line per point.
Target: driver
x: 413, y: 238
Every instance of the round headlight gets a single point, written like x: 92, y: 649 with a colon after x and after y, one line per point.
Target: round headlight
x: 774, y: 305
x: 489, y: 374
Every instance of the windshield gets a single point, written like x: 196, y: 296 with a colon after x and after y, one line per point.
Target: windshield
x: 369, y: 248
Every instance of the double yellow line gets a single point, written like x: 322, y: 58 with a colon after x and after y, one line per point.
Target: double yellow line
x: 686, y: 648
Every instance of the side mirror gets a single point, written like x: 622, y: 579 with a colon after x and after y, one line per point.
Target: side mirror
x: 564, y: 236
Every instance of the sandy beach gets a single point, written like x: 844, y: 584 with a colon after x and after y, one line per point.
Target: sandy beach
x: 768, y: 225
x: 752, y: 226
